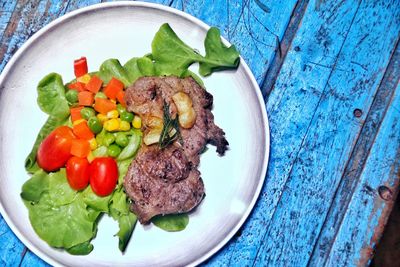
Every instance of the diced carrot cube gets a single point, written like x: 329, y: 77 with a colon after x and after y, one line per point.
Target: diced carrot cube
x: 113, y: 88
x: 121, y: 99
x: 83, y: 131
x: 80, y: 148
x: 76, y: 113
x: 85, y: 98
x: 104, y: 105
x: 77, y: 86
x: 94, y: 84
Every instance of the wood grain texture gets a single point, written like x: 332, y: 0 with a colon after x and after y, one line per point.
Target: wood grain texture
x: 368, y: 210
x: 319, y: 165
x: 253, y: 26
x: 6, y: 10
x: 246, y: 23
x: 356, y: 165
x: 318, y: 61
x: 291, y: 106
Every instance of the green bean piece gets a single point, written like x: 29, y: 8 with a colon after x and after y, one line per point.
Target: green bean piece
x: 72, y: 96
x: 113, y: 151
x: 121, y: 109
x: 95, y: 125
x: 108, y: 139
x: 100, y: 95
x: 127, y: 116
x: 87, y: 113
x: 121, y: 140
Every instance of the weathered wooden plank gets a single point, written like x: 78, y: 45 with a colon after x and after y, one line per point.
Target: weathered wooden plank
x: 272, y: 73
x: 6, y: 10
x: 11, y: 248
x: 291, y: 106
x: 356, y: 164
x: 368, y: 210
x: 240, y: 23
x: 253, y: 26
x: 29, y: 17
x: 317, y: 171
x: 30, y: 259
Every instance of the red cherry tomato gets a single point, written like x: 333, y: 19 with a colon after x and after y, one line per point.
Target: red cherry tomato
x: 78, y: 173
x: 55, y: 149
x: 103, y: 176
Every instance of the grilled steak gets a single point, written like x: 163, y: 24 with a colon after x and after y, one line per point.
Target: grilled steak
x: 165, y: 181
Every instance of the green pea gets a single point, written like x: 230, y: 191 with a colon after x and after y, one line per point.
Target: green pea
x: 95, y: 125
x: 121, y: 139
x: 100, y: 95
x: 127, y: 116
x: 121, y: 109
x: 87, y: 113
x: 72, y: 96
x: 113, y: 151
x: 108, y: 139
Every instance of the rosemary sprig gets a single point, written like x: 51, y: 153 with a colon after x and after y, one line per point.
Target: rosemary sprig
x: 170, y: 125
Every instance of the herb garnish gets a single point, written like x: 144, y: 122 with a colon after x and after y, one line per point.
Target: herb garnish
x: 170, y: 131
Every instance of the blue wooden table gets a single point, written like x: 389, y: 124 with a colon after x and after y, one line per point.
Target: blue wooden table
x: 329, y: 71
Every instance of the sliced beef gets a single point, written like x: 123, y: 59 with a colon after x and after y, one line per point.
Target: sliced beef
x: 147, y: 95
x: 162, y: 182
x: 165, y: 181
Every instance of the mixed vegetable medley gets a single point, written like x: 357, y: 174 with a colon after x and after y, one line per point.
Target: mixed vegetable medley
x: 83, y: 151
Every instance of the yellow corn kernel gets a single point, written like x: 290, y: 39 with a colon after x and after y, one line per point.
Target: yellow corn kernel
x: 93, y: 143
x: 77, y: 122
x: 113, y: 114
x: 111, y: 125
x: 124, y: 126
x: 102, y: 118
x: 90, y: 157
x: 137, y: 122
x: 84, y: 79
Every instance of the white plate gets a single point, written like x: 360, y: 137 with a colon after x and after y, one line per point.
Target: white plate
x: 124, y: 30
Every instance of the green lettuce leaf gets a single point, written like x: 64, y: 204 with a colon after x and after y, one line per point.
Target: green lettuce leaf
x: 60, y: 191
x: 119, y: 211
x: 61, y: 226
x: 35, y: 186
x: 172, y: 56
x: 95, y: 202
x: 81, y: 249
x: 132, y: 70
x: 112, y: 68
x: 126, y: 225
x: 171, y: 222
x: 51, y: 96
x: 218, y: 56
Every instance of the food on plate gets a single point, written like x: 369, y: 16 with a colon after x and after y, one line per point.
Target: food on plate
x: 166, y: 180
x: 121, y: 139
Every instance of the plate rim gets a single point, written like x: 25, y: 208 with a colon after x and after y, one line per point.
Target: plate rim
x: 200, y: 23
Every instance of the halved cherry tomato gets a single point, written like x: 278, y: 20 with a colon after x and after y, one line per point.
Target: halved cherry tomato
x: 78, y: 173
x: 55, y: 149
x: 103, y: 176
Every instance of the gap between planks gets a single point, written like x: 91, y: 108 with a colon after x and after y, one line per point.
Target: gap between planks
x: 284, y: 45
x: 363, y: 144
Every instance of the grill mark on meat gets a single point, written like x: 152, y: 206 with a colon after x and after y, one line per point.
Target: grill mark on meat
x: 167, y: 181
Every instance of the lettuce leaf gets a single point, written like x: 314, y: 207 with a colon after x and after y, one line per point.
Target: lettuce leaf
x: 171, y: 222
x: 218, y: 56
x: 51, y: 96
x: 172, y: 56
